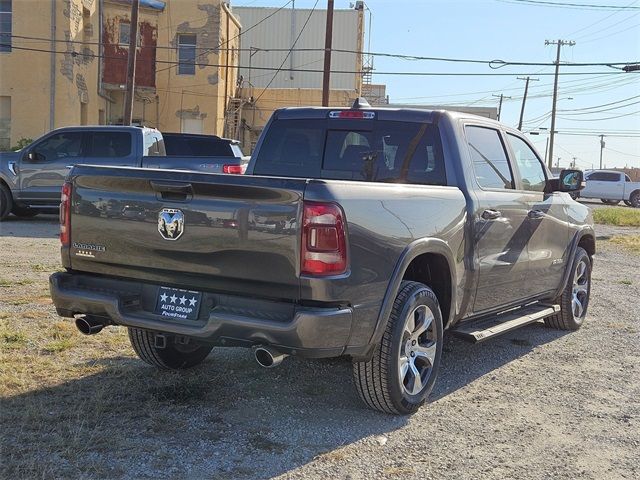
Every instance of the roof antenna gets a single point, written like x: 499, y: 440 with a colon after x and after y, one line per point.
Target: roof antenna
x: 360, y: 103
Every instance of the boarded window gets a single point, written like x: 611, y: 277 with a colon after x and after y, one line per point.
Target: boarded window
x: 5, y: 25
x: 186, y: 54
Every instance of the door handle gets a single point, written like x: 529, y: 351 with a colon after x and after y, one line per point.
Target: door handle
x: 69, y: 167
x: 490, y: 214
x: 535, y: 214
x: 170, y: 187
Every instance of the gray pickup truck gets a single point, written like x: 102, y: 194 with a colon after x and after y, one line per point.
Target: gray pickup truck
x: 31, y: 179
x: 361, y: 232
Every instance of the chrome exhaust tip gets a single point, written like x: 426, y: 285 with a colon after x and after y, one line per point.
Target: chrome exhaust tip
x: 268, y: 357
x: 89, y: 326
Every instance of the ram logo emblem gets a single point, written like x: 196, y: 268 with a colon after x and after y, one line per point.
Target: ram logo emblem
x: 171, y: 223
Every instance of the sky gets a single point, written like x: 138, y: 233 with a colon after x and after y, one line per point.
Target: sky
x: 515, y: 31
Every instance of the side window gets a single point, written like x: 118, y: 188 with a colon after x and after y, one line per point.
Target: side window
x: 489, y: 159
x: 110, y: 145
x: 528, y: 164
x: 611, y: 177
x: 596, y: 177
x: 60, y: 145
x: 152, y: 144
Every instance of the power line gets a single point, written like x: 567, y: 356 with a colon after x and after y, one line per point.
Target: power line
x: 587, y: 6
x: 346, y: 72
x: 600, y: 21
x: 623, y: 153
x: 495, y: 63
x: 600, y: 119
x: 289, y: 53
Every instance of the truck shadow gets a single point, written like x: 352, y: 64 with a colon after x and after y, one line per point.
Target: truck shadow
x: 228, y: 418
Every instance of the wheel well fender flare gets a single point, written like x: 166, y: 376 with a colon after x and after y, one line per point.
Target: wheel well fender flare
x: 412, y: 251
x: 583, y: 233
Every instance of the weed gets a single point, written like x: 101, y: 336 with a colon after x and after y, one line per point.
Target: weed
x: 625, y: 282
x: 58, y: 346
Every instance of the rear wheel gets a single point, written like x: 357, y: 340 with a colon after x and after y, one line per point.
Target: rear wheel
x: 403, y: 369
x: 6, y: 202
x: 609, y: 202
x: 170, y: 356
x: 575, y: 297
x: 634, y: 200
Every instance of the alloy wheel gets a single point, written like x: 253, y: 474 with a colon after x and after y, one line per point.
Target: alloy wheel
x: 417, y: 350
x: 580, y: 297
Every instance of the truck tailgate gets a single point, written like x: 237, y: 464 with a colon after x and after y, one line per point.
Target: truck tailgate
x: 228, y: 233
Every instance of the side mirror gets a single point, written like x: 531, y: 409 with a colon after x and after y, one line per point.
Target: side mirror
x: 571, y: 181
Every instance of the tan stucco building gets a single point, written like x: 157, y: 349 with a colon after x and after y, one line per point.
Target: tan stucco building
x: 64, y: 62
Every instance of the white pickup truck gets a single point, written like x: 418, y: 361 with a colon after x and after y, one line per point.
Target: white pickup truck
x: 611, y: 187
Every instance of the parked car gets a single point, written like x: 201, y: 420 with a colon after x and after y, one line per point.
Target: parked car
x: 611, y: 187
x: 395, y: 225
x: 31, y: 179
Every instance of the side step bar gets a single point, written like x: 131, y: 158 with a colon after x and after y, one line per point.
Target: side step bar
x: 480, y: 330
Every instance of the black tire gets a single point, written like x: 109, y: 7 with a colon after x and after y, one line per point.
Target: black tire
x: 379, y: 381
x: 634, y: 199
x: 24, y: 212
x: 609, y: 202
x: 173, y: 356
x: 6, y: 202
x: 568, y: 318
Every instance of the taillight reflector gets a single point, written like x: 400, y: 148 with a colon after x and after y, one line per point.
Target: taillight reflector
x: 324, y: 245
x: 65, y: 214
x: 235, y: 169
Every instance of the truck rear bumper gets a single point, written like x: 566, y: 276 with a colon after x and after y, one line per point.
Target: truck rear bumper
x: 223, y: 319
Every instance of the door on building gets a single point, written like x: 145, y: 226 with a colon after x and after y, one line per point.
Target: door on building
x: 192, y: 125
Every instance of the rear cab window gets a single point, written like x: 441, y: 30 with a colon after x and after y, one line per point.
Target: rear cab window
x: 348, y: 149
x: 104, y: 144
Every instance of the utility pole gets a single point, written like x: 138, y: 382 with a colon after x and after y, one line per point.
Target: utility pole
x: 501, y: 96
x: 524, y: 98
x: 602, y: 143
x: 328, y: 36
x: 559, y: 43
x: 131, y: 64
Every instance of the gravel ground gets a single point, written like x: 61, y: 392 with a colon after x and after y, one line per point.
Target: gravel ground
x: 535, y: 403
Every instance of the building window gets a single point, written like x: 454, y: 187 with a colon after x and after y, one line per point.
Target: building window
x: 5, y: 25
x: 186, y: 55
x: 125, y: 34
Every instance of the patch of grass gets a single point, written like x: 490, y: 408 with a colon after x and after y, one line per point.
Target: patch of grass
x: 12, y: 339
x: 398, y: 471
x: 6, y: 283
x: 63, y: 330
x: 622, y: 217
x: 40, y: 267
x: 630, y: 242
x: 58, y: 346
x: 625, y: 282
x: 20, y: 301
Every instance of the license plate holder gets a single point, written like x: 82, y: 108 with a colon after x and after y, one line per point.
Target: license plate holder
x: 178, y: 303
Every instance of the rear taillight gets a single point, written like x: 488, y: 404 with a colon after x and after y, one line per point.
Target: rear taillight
x: 235, y: 169
x: 324, y: 243
x: 65, y: 214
